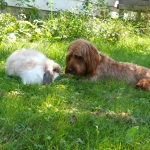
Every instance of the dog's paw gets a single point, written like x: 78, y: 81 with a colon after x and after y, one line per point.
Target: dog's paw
x: 144, y: 84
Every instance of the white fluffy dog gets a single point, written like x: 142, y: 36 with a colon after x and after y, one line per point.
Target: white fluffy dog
x: 32, y: 67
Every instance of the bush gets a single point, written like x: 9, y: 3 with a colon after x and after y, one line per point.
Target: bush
x: 71, y: 25
x: 84, y: 22
x: 11, y: 28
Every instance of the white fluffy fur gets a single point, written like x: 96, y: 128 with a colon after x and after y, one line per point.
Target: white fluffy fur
x: 30, y: 66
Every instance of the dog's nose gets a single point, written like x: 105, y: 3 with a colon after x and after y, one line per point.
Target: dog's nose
x: 69, y: 70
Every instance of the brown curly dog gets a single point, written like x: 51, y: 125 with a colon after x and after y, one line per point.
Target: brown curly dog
x: 83, y: 59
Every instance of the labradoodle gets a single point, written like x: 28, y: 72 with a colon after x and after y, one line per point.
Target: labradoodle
x: 83, y: 59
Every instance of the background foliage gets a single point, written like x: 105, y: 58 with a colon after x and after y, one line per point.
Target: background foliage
x: 84, y: 22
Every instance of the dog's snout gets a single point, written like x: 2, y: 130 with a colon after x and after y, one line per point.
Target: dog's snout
x: 70, y: 70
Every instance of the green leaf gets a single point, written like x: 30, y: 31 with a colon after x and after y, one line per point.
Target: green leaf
x: 130, y: 134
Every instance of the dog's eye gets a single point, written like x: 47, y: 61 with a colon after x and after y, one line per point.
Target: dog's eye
x: 78, y: 57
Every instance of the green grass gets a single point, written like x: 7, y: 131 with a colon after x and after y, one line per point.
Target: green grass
x: 109, y: 115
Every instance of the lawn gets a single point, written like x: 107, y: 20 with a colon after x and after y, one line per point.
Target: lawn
x: 71, y: 113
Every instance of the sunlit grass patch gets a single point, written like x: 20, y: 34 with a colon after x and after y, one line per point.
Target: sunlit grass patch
x: 72, y: 113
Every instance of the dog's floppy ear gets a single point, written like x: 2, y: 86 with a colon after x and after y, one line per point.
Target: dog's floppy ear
x: 92, y: 59
x: 69, y: 53
x: 47, y: 78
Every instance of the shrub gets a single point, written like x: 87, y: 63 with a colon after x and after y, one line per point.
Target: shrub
x: 71, y: 25
x: 22, y: 29
x: 84, y: 22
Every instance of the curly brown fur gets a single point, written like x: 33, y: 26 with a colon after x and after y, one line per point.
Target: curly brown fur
x: 83, y: 59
